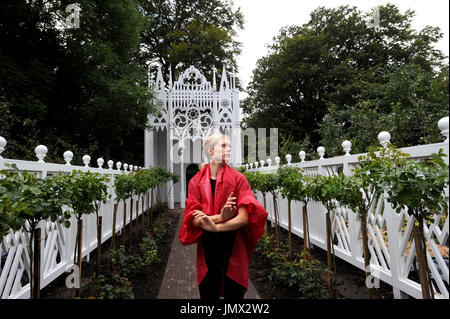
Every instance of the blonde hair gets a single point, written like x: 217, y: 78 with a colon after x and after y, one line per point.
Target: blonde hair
x: 209, y: 144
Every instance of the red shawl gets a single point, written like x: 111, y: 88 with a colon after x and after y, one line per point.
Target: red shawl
x: 200, y: 198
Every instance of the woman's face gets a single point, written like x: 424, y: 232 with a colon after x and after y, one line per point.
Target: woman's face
x: 221, y: 152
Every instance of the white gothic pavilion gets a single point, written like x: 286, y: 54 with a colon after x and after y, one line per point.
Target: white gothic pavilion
x: 191, y: 109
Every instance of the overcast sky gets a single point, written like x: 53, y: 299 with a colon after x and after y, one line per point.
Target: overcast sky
x: 264, y: 18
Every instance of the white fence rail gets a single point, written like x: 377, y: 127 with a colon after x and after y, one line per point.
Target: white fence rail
x: 390, y: 234
x: 57, y: 241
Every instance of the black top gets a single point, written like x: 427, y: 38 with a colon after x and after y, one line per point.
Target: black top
x: 218, y: 246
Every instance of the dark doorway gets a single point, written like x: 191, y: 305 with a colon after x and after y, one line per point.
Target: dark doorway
x: 191, y: 170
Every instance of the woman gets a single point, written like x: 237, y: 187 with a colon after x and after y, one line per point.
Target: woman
x: 225, y: 220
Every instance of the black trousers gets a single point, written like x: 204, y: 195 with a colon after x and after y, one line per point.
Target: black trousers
x: 210, y: 286
x: 218, y: 248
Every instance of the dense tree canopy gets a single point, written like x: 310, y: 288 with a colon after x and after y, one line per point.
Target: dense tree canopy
x: 191, y: 32
x: 72, y: 88
x: 327, y: 66
x: 84, y: 87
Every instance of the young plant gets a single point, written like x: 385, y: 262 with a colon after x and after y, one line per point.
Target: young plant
x: 288, y: 189
x: 359, y: 191
x: 325, y: 189
x: 420, y: 187
x: 100, y: 195
x: 27, y: 200
x: 86, y: 189
x: 270, y: 183
x: 124, y: 190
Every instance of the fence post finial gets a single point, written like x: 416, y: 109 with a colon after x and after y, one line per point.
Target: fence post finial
x: 302, y: 155
x: 110, y: 164
x: 41, y: 152
x: 347, y: 146
x: 68, y: 156
x: 384, y: 138
x: 262, y: 163
x: 2, y: 145
x: 86, y: 160
x: 100, y: 162
x: 443, y: 126
x: 256, y: 164
x: 118, y: 165
x: 268, y: 161
x: 288, y: 158
x: 277, y: 160
x: 321, y: 152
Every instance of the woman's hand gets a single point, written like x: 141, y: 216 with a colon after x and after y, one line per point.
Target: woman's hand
x: 229, y: 209
x: 204, y: 221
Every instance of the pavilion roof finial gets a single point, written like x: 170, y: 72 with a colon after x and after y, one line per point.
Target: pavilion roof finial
x: 170, y: 76
x: 159, y: 85
x: 214, y: 78
x: 224, y: 84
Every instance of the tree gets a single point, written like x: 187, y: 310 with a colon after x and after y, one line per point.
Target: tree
x: 419, y: 186
x: 86, y: 189
x: 408, y: 103
x: 326, y: 189
x: 187, y: 32
x: 82, y: 88
x: 329, y: 62
x: 27, y: 200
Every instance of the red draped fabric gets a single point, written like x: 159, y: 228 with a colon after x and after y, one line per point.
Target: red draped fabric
x: 200, y: 198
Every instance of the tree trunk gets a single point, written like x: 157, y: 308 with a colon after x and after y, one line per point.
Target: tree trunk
x: 99, y: 244
x: 305, y: 229
x: 124, y: 221
x: 365, y: 250
x: 35, y: 257
x: 131, y: 222
x: 275, y: 209
x: 113, y: 236
x: 329, y: 256
x: 425, y: 281
x: 289, y: 229
x: 143, y: 213
x: 79, y: 246
x: 265, y: 207
x: 137, y: 220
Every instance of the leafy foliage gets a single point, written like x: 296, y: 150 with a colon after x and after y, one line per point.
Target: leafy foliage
x: 86, y: 189
x: 418, y: 185
x: 25, y: 197
x: 187, y: 32
x: 300, y: 271
x: 337, y: 77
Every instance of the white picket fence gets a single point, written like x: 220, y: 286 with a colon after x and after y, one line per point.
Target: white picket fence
x: 390, y: 234
x: 57, y: 241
